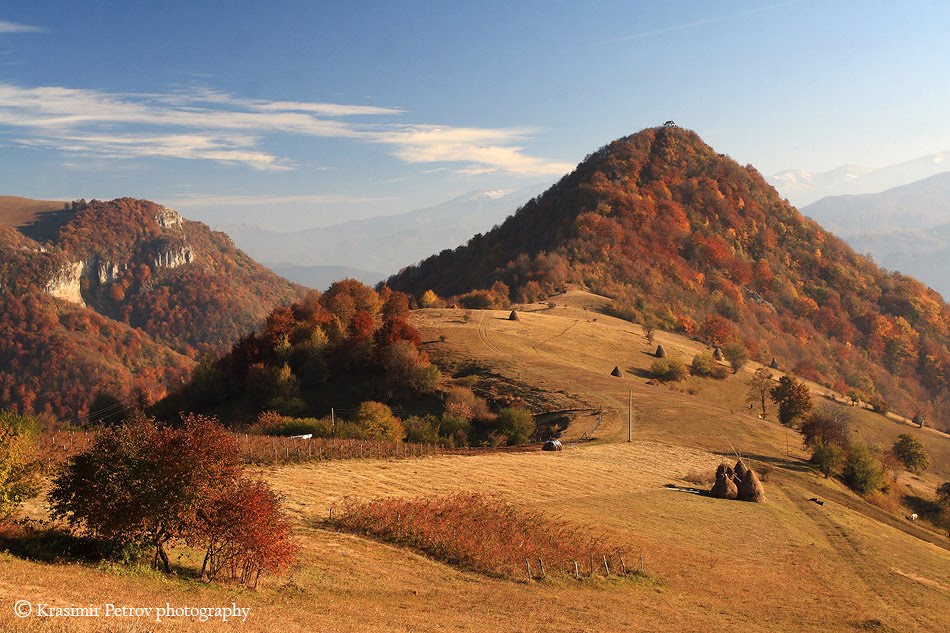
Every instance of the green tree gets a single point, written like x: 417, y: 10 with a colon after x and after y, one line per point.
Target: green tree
x: 863, y: 470
x: 760, y: 386
x: 517, y: 424
x: 911, y: 453
x: 827, y: 457
x: 19, y: 469
x: 792, y: 398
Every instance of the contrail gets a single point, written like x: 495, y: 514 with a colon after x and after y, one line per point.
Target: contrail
x: 689, y: 25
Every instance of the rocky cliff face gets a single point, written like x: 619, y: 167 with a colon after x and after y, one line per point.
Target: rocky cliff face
x: 66, y: 284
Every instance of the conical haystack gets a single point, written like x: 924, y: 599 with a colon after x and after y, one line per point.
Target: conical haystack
x: 739, y: 471
x: 750, y: 488
x: 514, y: 316
x: 616, y: 372
x: 717, y: 354
x: 660, y: 352
x: 774, y: 363
x: 724, y: 488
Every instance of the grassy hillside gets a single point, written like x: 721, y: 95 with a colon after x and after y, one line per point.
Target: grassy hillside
x: 787, y: 565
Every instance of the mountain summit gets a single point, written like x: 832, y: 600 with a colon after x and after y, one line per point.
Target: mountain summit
x: 686, y: 239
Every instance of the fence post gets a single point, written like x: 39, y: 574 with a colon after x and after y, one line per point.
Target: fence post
x: 606, y: 566
x: 577, y: 571
x: 527, y: 567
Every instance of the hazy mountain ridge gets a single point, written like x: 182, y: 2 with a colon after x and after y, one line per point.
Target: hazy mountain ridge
x: 803, y: 187
x: 385, y: 243
x: 906, y: 228
x: 686, y: 239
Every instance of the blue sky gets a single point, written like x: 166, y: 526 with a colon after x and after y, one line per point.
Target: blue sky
x: 296, y: 114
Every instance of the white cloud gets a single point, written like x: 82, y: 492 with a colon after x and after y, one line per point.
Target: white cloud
x: 13, y: 27
x: 211, y: 125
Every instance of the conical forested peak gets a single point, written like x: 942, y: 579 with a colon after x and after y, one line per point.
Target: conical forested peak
x: 686, y: 239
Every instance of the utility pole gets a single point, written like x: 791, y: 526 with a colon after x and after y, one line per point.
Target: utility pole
x: 630, y: 417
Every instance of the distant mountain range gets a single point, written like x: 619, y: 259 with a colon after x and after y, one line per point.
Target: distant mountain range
x: 373, y: 248
x: 906, y: 228
x: 803, y: 187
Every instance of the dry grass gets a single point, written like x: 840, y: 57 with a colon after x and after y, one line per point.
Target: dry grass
x: 797, y: 566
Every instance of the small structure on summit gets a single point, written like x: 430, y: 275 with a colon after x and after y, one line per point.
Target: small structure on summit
x: 660, y: 352
x: 717, y: 354
x: 514, y: 316
x: 669, y: 124
x: 617, y: 373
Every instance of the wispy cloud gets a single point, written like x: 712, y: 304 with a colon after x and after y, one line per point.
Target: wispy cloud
x: 214, y: 200
x: 13, y: 27
x: 211, y: 125
x: 701, y: 22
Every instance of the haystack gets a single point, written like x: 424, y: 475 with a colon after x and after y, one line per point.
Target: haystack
x: 514, y: 316
x: 717, y: 354
x: 739, y: 471
x: 750, y: 488
x: 774, y: 363
x: 724, y: 488
x: 660, y: 352
x: 616, y: 372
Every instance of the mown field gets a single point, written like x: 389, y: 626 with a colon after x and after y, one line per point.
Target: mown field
x: 712, y: 565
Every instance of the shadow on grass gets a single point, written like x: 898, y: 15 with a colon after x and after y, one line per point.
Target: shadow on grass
x: 786, y: 463
x: 689, y: 489
x: 39, y: 542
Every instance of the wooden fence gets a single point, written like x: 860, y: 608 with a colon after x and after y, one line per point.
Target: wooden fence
x: 55, y: 447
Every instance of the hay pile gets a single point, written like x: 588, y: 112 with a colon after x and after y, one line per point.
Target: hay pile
x: 660, y: 352
x: 616, y: 372
x: 740, y: 483
x: 725, y: 487
x: 514, y: 316
x: 774, y: 363
x: 717, y: 354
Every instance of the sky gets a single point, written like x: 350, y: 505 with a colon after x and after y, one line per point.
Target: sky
x: 297, y: 114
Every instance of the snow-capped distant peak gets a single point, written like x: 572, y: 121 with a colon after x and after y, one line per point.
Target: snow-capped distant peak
x: 493, y: 194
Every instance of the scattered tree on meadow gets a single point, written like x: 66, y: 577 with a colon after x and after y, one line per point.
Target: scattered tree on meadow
x: 516, y: 424
x: 864, y: 470
x: 911, y: 453
x: 19, y: 470
x: 830, y: 424
x: 792, y: 397
x: 736, y: 354
x: 760, y: 387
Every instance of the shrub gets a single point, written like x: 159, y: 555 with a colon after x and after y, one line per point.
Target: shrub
x: 517, y: 424
x: 863, y: 471
x: 736, y: 354
x: 19, y: 468
x: 827, y: 457
x: 142, y: 484
x: 910, y: 451
x: 422, y: 430
x: 668, y: 370
x: 475, y: 532
x: 378, y: 422
x: 704, y: 366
